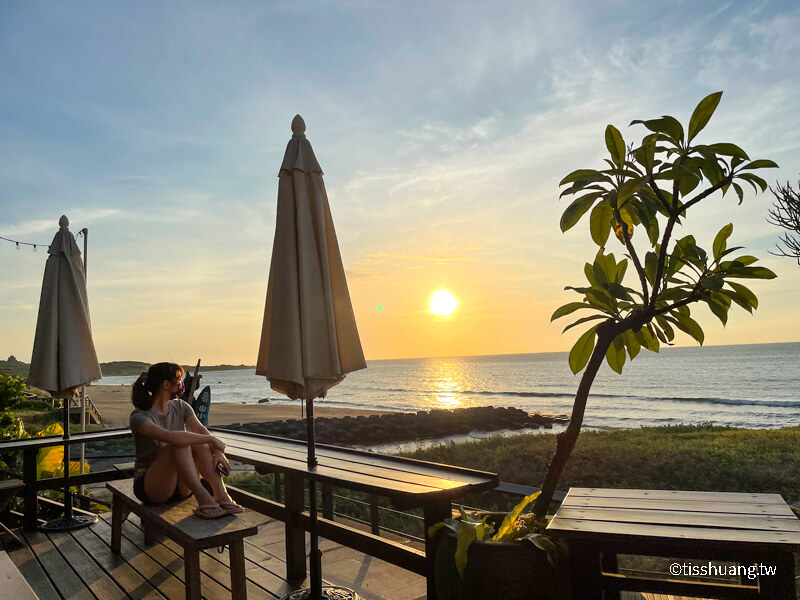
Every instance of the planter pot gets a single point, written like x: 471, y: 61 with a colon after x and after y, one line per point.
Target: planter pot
x: 496, y: 570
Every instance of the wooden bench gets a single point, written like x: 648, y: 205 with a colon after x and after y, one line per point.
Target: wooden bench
x: 12, y: 582
x: 407, y: 483
x: 193, y: 534
x: 746, y: 529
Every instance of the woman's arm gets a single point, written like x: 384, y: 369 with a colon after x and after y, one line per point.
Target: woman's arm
x: 193, y: 424
x: 175, y: 438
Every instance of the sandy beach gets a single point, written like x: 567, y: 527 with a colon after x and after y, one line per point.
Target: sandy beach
x: 114, y: 404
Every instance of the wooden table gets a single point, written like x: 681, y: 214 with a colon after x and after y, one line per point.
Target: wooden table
x: 407, y: 483
x: 746, y: 529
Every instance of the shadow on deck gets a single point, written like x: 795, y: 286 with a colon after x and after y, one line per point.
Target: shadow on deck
x: 79, y: 565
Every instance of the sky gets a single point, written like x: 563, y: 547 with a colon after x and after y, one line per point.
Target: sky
x: 443, y: 129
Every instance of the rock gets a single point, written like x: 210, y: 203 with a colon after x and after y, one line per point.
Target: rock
x: 401, y: 427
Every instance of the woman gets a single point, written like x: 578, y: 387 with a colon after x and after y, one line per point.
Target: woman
x: 168, y: 457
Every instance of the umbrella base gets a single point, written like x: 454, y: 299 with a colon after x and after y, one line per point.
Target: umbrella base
x: 62, y: 524
x: 328, y: 593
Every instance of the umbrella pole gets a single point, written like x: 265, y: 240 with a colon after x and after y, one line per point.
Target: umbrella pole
x: 67, y: 493
x: 68, y: 521
x: 315, y: 555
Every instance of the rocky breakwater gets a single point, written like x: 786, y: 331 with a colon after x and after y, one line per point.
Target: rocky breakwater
x: 403, y: 427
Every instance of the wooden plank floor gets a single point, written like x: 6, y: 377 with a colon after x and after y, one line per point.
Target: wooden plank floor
x: 79, y: 565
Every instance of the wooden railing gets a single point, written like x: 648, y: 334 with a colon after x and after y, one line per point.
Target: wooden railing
x: 30, y: 449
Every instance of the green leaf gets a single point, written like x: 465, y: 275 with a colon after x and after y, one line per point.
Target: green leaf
x: 582, y: 350
x: 618, y: 291
x: 600, y: 223
x: 600, y: 275
x: 506, y: 529
x: 760, y: 164
x: 754, y: 273
x: 628, y: 189
x: 739, y: 191
x: 645, y: 154
x: 464, y: 539
x: 615, y: 145
x: 576, y: 209
x: 721, y: 240
x: 567, y: 309
x: 754, y: 180
x: 702, y: 114
x: 729, y: 150
x: 601, y: 300
x: 719, y: 305
x: 583, y: 320
x: 615, y: 355
x: 581, y: 174
x: 666, y: 125
x: 434, y: 529
x: 743, y: 260
x: 650, y: 266
x: 688, y: 325
x: 632, y: 344
x: 712, y: 283
x: 745, y: 293
x: 647, y: 338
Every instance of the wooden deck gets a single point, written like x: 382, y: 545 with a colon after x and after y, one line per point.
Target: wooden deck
x: 79, y: 565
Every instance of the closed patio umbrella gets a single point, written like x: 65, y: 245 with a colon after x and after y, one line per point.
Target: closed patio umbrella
x: 309, y: 339
x: 64, y: 358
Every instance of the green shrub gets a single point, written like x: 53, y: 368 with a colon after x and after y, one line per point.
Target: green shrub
x: 12, y: 391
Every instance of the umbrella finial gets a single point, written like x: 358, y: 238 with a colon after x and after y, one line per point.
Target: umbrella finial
x: 63, y: 221
x: 298, y: 125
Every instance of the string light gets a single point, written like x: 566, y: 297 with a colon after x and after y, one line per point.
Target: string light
x: 35, y: 246
x: 20, y: 244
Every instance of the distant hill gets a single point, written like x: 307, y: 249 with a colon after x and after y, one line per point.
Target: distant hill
x: 12, y: 366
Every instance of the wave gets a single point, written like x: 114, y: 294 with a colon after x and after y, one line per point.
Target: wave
x: 570, y: 395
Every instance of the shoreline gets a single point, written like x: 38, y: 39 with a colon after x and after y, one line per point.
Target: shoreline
x: 113, y: 403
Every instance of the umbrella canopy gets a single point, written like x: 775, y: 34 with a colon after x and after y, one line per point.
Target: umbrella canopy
x: 64, y: 357
x: 309, y: 339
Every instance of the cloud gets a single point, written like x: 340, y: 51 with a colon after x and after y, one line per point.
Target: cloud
x: 80, y: 217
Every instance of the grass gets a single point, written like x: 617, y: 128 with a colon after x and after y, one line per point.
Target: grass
x: 685, y: 457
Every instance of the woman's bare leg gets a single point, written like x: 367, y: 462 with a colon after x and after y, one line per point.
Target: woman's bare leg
x: 175, y: 466
x: 207, y: 465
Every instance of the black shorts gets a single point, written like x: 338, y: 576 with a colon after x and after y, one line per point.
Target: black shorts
x: 138, y: 491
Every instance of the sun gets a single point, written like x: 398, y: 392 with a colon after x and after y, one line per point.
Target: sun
x: 443, y: 303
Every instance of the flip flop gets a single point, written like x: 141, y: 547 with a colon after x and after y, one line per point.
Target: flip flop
x: 231, y: 508
x: 210, y: 511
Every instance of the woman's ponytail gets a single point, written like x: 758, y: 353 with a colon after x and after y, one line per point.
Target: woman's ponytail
x: 140, y: 395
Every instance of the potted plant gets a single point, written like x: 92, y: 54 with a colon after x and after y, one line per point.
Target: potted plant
x: 483, y: 556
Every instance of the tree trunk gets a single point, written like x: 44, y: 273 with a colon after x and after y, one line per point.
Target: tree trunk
x: 565, y: 441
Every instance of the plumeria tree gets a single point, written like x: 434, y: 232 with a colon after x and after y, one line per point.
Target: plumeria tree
x: 641, y: 196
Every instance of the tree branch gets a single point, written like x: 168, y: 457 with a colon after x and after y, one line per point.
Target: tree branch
x: 657, y: 191
x: 694, y: 297
x: 632, y: 252
x: 708, y: 192
x: 662, y: 258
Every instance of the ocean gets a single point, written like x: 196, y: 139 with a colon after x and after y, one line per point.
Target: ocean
x: 754, y: 386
